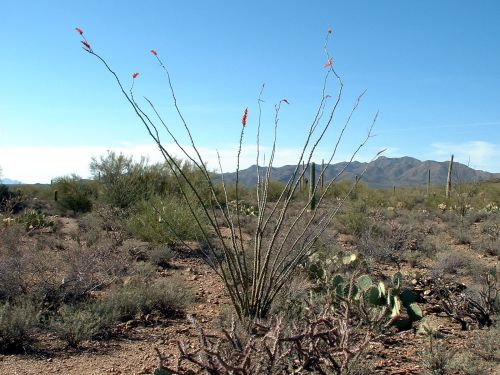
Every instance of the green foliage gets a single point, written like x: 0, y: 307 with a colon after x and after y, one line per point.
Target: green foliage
x: 34, y: 219
x: 437, y: 359
x: 74, y: 193
x: 5, y: 193
x: 274, y: 190
x: 10, y: 202
x: 127, y: 182
x: 164, y: 220
x: 75, y: 324
x: 355, y: 219
x: 393, y: 296
x: 121, y: 177
x: 18, y: 322
x: 140, y: 297
x: 161, y: 255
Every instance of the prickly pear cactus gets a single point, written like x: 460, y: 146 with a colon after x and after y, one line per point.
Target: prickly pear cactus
x: 401, y: 304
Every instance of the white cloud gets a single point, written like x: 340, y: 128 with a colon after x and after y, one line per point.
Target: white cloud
x: 41, y: 164
x: 482, y: 155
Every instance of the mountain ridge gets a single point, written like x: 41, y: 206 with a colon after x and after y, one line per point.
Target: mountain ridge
x: 384, y: 172
x: 8, y: 181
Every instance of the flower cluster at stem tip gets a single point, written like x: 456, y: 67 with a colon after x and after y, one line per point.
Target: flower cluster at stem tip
x: 88, y: 48
x: 244, y: 118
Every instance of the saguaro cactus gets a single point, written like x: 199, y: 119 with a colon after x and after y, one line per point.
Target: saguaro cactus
x: 448, y: 181
x: 303, y: 179
x: 322, y: 175
x: 428, y: 181
x: 312, y: 186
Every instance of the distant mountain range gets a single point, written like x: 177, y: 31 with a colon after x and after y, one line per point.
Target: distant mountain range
x: 383, y: 172
x: 8, y: 181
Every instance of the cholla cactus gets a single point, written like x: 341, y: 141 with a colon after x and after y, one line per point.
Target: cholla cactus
x: 442, y: 206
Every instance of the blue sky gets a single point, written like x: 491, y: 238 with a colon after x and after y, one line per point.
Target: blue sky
x: 432, y: 69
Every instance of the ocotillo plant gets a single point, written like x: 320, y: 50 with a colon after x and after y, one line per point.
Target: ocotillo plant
x: 253, y: 272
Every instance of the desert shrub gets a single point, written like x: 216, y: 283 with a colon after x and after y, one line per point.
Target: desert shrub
x: 164, y: 220
x: 475, y: 306
x: 482, y: 357
x: 476, y: 216
x: 5, y: 193
x: 121, y: 178
x: 374, y: 198
x: 466, y: 363
x: 73, y: 193
x: 461, y: 234
x: 75, y: 324
x: 290, y: 303
x: 488, y: 246
x: 164, y: 296
x: 126, y: 181
x: 449, y: 262
x: 243, y: 193
x: 428, y: 247
x: 437, y: 358
x: 161, y: 255
x: 486, y: 344
x: 89, y: 268
x: 18, y: 323
x: 340, y: 189
x: 491, y: 226
x: 389, y: 243
x: 414, y: 258
x: 12, y: 262
x: 10, y: 202
x: 355, y: 219
x: 274, y: 190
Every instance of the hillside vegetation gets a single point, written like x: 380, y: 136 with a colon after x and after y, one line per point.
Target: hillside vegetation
x: 118, y: 262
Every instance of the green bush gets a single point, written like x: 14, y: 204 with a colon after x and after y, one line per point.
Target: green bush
x: 121, y: 178
x: 4, y: 193
x: 73, y: 193
x: 18, y: 322
x: 75, y: 324
x: 356, y: 218
x: 10, y: 202
x: 136, y: 297
x: 164, y: 220
x: 161, y: 255
x: 274, y: 190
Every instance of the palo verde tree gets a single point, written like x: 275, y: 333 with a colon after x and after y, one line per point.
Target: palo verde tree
x: 254, y: 271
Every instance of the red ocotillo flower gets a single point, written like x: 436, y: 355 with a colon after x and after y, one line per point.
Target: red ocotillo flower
x: 86, y: 45
x: 329, y: 63
x: 244, y: 118
x: 135, y: 75
x: 79, y: 31
x: 153, y: 52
